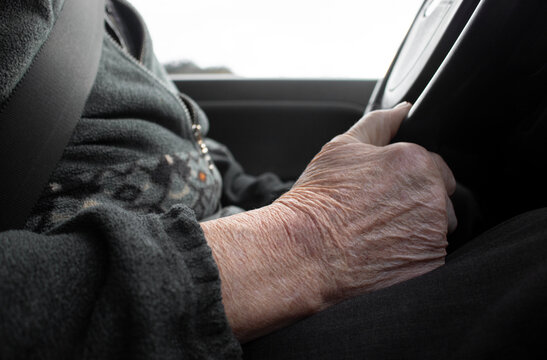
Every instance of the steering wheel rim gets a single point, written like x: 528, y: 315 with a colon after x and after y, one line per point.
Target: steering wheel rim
x: 434, y: 31
x: 480, y: 35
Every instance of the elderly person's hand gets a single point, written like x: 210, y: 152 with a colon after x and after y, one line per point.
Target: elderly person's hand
x: 364, y: 215
x: 381, y: 212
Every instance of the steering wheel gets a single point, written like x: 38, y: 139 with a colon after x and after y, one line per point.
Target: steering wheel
x: 469, y: 67
x: 433, y: 33
x: 450, y: 50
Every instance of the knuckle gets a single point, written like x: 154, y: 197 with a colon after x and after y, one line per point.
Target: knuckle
x: 438, y: 193
x: 345, y: 138
x: 337, y: 139
x: 417, y: 164
x: 412, y: 154
x: 336, y: 154
x: 333, y: 144
x: 436, y: 157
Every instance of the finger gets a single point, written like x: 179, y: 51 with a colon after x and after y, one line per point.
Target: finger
x: 451, y: 214
x: 446, y: 173
x: 379, y: 127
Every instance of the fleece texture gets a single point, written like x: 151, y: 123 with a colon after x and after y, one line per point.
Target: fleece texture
x: 109, y: 284
x: 113, y: 263
x: 24, y: 26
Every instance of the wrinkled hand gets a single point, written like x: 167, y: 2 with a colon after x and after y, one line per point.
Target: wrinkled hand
x: 380, y: 213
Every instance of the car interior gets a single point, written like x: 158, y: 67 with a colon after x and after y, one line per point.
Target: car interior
x: 476, y: 72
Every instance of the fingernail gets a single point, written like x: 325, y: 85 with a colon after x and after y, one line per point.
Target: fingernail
x: 403, y: 104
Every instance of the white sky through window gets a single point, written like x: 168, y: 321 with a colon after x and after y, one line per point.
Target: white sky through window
x: 282, y: 38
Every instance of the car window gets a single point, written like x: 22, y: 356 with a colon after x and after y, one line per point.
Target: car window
x: 283, y: 38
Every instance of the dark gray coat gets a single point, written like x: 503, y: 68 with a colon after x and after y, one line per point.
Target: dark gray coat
x: 113, y: 263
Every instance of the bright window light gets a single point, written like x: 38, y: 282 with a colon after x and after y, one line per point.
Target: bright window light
x: 283, y: 38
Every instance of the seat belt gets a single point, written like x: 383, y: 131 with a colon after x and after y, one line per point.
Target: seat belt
x: 39, y: 118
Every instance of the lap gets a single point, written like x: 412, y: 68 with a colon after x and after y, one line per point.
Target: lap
x: 488, y: 299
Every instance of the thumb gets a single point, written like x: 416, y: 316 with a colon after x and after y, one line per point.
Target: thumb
x: 379, y: 127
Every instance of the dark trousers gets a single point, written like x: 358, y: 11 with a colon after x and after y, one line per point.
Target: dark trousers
x: 488, y: 301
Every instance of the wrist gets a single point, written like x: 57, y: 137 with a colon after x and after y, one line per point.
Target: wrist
x: 304, y: 240
x: 269, y: 274
x: 315, y: 232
